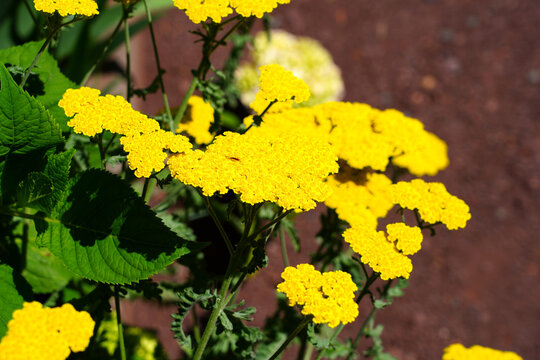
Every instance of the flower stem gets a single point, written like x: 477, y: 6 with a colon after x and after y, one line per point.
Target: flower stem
x: 291, y: 337
x: 158, y: 65
x: 210, y: 326
x: 44, y: 47
x: 128, y: 51
x: 183, y: 106
x: 103, y: 53
x: 214, y: 216
x: 119, y: 323
x: 331, y: 340
x: 283, y: 247
x: 270, y: 224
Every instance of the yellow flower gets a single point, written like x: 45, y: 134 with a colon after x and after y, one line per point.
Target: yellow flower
x: 67, y: 7
x: 288, y: 169
x: 414, y: 148
x: 35, y: 332
x: 196, y: 123
x: 256, y: 8
x: 145, y: 151
x: 279, y: 85
x: 433, y: 202
x: 329, y: 296
x: 360, y: 199
x: 407, y: 239
x: 144, y: 141
x: 200, y: 10
x: 477, y: 352
x: 377, y: 251
x: 93, y: 113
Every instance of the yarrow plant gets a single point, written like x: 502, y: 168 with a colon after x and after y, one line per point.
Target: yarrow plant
x: 96, y: 198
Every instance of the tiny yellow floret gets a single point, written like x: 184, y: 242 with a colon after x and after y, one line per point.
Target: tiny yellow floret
x: 477, y: 352
x: 256, y: 8
x: 201, y: 10
x: 67, y: 7
x: 35, y: 332
x: 329, y: 296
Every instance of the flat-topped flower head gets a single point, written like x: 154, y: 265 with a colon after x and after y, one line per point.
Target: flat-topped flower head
x: 197, y: 120
x: 377, y: 251
x: 201, y: 10
x: 143, y: 140
x: 284, y: 168
x: 329, y: 296
x: 215, y: 10
x: 477, y: 352
x: 35, y: 332
x: 256, y: 8
x: 408, y: 239
x: 67, y: 7
x: 433, y: 202
x: 281, y: 86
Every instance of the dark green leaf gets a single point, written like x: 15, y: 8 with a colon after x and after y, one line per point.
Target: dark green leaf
x: 44, y: 271
x: 57, y: 169
x: 13, y: 291
x: 103, y: 231
x: 34, y: 188
x: 25, y: 125
x: 48, y: 85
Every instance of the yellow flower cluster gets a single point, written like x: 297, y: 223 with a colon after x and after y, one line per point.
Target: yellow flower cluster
x: 477, y: 352
x: 197, y: 120
x: 288, y: 169
x: 303, y: 56
x: 417, y: 150
x: 201, y: 10
x: 368, y: 138
x: 433, y: 202
x: 67, y: 7
x: 383, y: 252
x: 143, y: 140
x: 360, y: 199
x: 35, y: 332
x: 279, y: 85
x: 329, y: 296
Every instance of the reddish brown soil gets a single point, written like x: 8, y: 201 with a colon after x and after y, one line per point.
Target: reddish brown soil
x: 470, y: 70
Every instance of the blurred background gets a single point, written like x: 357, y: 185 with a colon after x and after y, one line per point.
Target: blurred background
x: 470, y: 71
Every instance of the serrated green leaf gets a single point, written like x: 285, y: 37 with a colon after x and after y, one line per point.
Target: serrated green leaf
x: 25, y: 125
x: 44, y: 272
x: 13, y: 290
x: 102, y: 230
x: 225, y: 322
x: 57, y: 170
x: 49, y: 82
x: 35, y: 187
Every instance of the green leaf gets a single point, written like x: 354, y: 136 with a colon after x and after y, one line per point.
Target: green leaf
x: 44, y: 271
x: 57, y: 170
x: 48, y: 84
x: 13, y: 291
x: 34, y: 188
x: 102, y: 230
x: 25, y: 125
x: 381, y: 304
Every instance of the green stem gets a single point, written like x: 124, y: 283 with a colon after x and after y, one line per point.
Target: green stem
x: 128, y: 51
x: 210, y: 326
x: 270, y: 224
x: 331, y: 340
x: 283, y: 247
x: 24, y: 247
x: 214, y: 216
x: 149, y: 184
x: 42, y: 50
x: 360, y: 332
x: 119, y: 323
x: 103, y: 53
x: 183, y: 106
x: 196, y: 330
x: 158, y: 64
x: 291, y: 337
